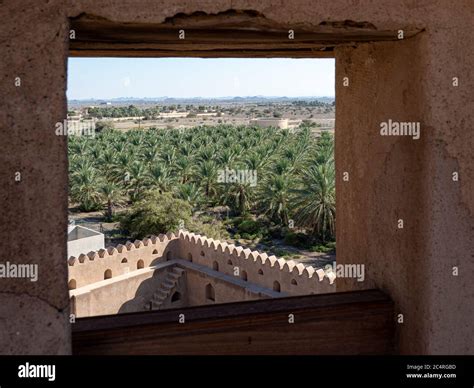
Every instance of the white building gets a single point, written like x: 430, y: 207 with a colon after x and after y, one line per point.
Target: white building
x: 83, y: 240
x: 270, y: 122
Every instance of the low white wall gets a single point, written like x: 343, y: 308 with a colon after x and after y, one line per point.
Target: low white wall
x: 85, y: 245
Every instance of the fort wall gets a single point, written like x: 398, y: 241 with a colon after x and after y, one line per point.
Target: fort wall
x: 91, y: 267
x: 255, y: 267
x: 113, y: 280
x: 223, y: 292
x: 414, y: 268
x: 123, y: 294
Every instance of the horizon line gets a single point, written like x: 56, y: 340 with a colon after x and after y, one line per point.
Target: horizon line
x: 192, y: 97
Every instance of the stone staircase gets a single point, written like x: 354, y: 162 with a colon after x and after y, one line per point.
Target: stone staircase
x: 166, y: 288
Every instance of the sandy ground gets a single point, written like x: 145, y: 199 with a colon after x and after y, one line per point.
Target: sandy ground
x: 95, y: 221
x: 294, y: 120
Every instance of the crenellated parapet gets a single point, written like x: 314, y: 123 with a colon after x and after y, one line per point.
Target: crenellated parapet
x: 286, y: 276
x: 96, y: 266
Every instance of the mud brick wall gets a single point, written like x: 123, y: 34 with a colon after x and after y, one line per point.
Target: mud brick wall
x: 390, y: 179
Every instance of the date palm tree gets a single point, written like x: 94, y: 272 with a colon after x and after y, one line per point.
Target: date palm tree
x: 315, y: 200
x: 239, y: 196
x: 112, y: 195
x: 275, y: 198
x: 107, y: 161
x: 158, y: 177
x: 84, y: 188
x: 207, y: 175
x: 191, y: 193
x: 137, y: 180
x: 295, y: 171
x: 185, y: 168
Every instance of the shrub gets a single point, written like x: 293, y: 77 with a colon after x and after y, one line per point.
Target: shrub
x: 248, y: 227
x: 280, y: 252
x: 102, y: 126
x: 215, y: 229
x: 277, y: 232
x: 299, y: 240
x: 156, y: 213
x: 325, y: 248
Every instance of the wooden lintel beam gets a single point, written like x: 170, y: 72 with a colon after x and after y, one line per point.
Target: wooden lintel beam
x: 227, y: 37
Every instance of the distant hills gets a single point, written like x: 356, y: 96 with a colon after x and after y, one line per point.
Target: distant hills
x: 199, y: 100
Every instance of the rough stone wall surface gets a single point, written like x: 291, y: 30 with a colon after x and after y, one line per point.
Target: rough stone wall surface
x: 384, y: 176
x: 33, y: 42
x: 393, y: 178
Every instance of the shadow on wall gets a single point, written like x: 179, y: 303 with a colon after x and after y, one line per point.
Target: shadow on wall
x: 144, y: 293
x: 170, y: 253
x: 148, y: 291
x: 167, y: 288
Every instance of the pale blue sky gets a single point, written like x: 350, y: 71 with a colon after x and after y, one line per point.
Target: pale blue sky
x: 105, y: 78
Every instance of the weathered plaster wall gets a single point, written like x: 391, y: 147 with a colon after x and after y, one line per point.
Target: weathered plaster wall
x: 385, y: 177
x: 224, y: 292
x: 255, y: 267
x: 33, y: 217
x: 123, y: 294
x: 90, y: 267
x: 449, y: 235
x: 438, y: 317
x: 394, y: 178
x: 240, y: 274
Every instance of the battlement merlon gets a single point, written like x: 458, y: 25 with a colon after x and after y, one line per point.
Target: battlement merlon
x: 257, y: 267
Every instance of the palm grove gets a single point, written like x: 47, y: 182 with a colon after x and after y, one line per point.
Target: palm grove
x: 162, y: 180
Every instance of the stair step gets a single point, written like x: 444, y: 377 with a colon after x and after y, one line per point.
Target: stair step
x: 164, y: 291
x: 160, y: 295
x: 155, y: 305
